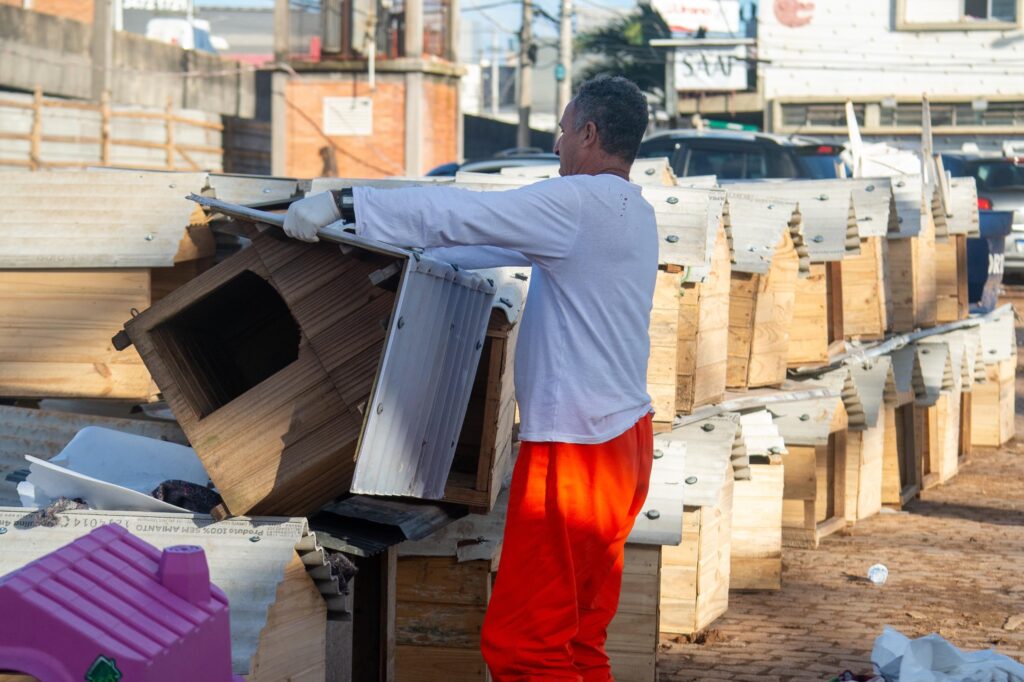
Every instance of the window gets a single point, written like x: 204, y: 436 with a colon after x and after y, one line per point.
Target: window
x: 960, y: 15
x: 727, y: 163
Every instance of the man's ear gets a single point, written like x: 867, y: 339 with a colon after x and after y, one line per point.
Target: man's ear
x: 589, y: 134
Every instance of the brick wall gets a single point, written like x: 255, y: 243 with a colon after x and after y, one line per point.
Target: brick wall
x: 375, y: 156
x: 440, y: 111
x: 381, y: 154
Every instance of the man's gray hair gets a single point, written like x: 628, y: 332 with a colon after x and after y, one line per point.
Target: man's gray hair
x: 619, y: 111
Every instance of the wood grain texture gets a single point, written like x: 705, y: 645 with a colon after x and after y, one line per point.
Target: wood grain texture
x: 662, y: 365
x: 57, y: 330
x: 867, y: 299
x: 808, y: 336
x: 756, y: 543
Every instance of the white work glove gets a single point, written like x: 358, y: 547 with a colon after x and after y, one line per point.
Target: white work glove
x: 306, y: 216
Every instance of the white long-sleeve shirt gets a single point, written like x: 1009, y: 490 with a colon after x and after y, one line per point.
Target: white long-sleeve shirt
x: 581, y: 360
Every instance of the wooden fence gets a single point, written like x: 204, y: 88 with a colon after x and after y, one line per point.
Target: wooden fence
x: 40, y: 133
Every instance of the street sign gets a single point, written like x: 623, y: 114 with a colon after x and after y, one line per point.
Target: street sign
x: 706, y: 69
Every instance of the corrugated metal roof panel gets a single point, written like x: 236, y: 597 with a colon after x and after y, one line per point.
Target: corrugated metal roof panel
x: 875, y: 206
x: 872, y: 378
x: 473, y: 537
x: 964, y: 204
x: 760, y: 434
x: 754, y: 224
x: 652, y: 171
x: 998, y: 338
x: 709, y: 448
x: 251, y: 189
x: 907, y: 189
x: 806, y: 422
x: 511, y: 286
x: 94, y: 219
x: 932, y: 372
x: 827, y: 213
x: 248, y: 570
x: 660, y: 521
x: 957, y: 348
x: 44, y: 433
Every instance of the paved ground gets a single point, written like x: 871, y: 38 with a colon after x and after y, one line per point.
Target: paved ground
x: 956, y: 567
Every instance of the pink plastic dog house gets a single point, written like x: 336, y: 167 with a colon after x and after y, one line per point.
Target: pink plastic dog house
x: 109, y: 607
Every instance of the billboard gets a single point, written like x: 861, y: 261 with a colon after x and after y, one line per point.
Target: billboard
x: 687, y: 16
x: 709, y: 69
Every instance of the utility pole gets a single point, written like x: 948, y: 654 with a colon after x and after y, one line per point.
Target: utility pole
x: 495, y: 74
x: 525, y: 75
x: 563, y: 71
x: 102, y: 47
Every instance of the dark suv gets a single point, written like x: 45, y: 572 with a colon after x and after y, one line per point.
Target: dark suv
x: 742, y: 156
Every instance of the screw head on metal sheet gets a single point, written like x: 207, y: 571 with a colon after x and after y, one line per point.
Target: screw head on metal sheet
x: 2, y: 531
x: 770, y: 206
x: 479, y: 345
x: 380, y: 408
x: 658, y: 454
x: 401, y: 322
x: 707, y: 427
x: 505, y: 302
x: 649, y: 171
x: 149, y: 237
x: 774, y: 450
x: 869, y: 188
x: 822, y: 197
x: 690, y: 480
x: 805, y: 417
x: 672, y: 239
x: 925, y: 351
x: 817, y: 239
x: 652, y: 514
x: 490, y: 281
x: 900, y: 183
x: 521, y: 276
x: 672, y: 200
x: 254, y: 538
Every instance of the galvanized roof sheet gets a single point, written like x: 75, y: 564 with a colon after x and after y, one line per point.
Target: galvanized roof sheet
x: 44, y: 433
x: 709, y: 448
x: 251, y: 189
x: 247, y: 557
x: 903, y: 360
x: 755, y: 224
x: 933, y: 371
x: 94, y: 219
x: 826, y: 211
x: 760, y: 434
x: 660, y: 521
x: 956, y: 344
x: 876, y: 386
x: 511, y: 286
x: 963, y: 199
x: 807, y: 422
x: 875, y: 206
x: 652, y: 171
x: 473, y: 537
x: 907, y: 190
x: 998, y: 337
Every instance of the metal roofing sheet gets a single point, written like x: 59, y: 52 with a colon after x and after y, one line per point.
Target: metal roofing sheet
x: 251, y: 189
x: 999, y: 338
x: 247, y: 557
x: 807, y: 422
x: 826, y: 210
x: 44, y: 433
x: 760, y: 434
x: 907, y: 191
x: 872, y: 379
x: 903, y: 360
x: 511, y: 286
x: 755, y: 224
x: 933, y: 372
x: 419, y: 399
x: 875, y: 206
x: 94, y: 219
x: 963, y: 199
x: 660, y: 521
x: 709, y: 448
x: 473, y: 537
x: 956, y: 343
x: 652, y: 171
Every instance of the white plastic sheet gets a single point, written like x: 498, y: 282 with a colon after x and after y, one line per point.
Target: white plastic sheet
x: 932, y: 659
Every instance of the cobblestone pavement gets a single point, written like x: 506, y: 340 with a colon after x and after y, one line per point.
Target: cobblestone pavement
x: 956, y: 567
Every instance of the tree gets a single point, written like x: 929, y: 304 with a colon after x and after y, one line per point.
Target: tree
x: 621, y: 48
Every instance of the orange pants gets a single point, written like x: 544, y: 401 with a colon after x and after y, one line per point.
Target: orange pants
x: 570, y: 510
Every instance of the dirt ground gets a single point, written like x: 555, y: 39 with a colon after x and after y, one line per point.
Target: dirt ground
x: 956, y: 567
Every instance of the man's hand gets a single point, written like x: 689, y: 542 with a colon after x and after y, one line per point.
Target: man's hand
x: 308, y: 215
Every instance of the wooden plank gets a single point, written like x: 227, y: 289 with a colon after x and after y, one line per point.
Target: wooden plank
x: 292, y: 644
x: 441, y: 580
x: 57, y: 326
x: 948, y: 277
x: 902, y: 266
x: 891, y: 483
x: 808, y: 336
x: 868, y: 494
x: 743, y: 293
x: 801, y: 474
x: 756, y: 536
x: 439, y: 664
x: 662, y: 368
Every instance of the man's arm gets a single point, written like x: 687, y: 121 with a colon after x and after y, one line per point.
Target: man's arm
x: 478, y: 257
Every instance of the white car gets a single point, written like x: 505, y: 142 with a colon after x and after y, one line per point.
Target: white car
x: 194, y: 35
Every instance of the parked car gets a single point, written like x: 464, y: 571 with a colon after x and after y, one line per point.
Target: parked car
x: 509, y: 158
x: 1000, y: 181
x: 733, y: 155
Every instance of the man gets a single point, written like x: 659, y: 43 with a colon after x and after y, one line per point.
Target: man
x: 580, y: 370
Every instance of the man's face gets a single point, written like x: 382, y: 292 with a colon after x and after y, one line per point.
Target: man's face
x: 567, y: 145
